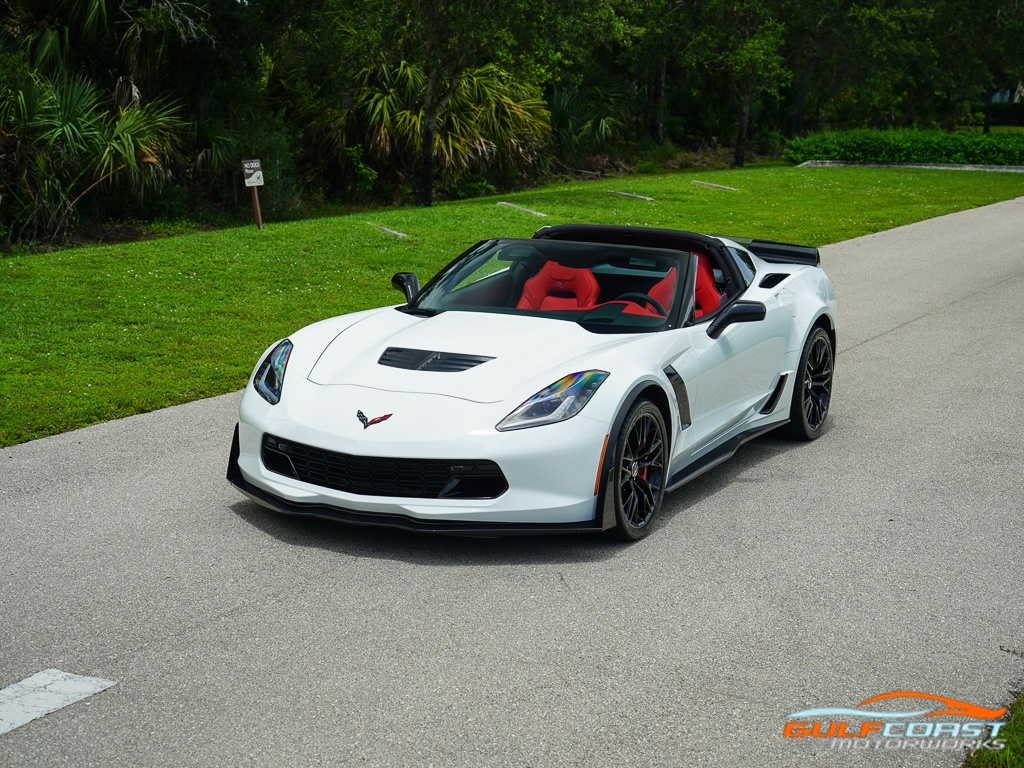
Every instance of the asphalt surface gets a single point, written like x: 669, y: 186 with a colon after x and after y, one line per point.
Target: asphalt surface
x: 885, y: 556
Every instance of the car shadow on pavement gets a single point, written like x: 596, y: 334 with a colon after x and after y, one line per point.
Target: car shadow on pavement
x: 746, y: 461
x: 423, y: 548
x: 449, y: 550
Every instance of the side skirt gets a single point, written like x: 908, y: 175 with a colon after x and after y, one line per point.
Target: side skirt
x: 717, y: 455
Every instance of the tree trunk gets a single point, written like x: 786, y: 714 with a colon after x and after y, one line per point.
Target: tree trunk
x: 425, y: 185
x: 741, y: 134
x: 987, y: 125
x: 910, y: 110
x: 796, y: 122
x: 431, y: 110
x: 658, y: 127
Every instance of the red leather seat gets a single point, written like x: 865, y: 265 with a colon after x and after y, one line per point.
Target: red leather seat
x: 706, y: 295
x: 663, y: 292
x: 557, y: 287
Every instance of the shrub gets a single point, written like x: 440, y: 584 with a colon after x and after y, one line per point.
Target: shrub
x: 908, y: 146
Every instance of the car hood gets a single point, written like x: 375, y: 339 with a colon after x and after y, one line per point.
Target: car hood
x: 522, y: 349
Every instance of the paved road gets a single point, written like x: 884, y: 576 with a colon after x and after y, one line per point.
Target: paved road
x: 888, y: 555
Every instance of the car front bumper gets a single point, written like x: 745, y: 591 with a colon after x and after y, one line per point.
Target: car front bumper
x: 552, y: 475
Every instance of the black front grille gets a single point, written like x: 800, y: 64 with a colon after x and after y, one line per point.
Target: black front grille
x: 384, y: 476
x: 425, y: 360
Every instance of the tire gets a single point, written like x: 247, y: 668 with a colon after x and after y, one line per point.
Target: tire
x: 812, y: 391
x: 638, y: 471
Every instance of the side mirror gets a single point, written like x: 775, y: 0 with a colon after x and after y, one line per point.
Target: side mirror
x: 407, y: 283
x: 740, y: 312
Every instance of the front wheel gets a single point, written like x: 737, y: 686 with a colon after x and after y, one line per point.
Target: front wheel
x: 638, y: 471
x: 812, y: 390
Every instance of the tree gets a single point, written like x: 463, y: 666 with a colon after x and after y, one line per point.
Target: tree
x: 742, y: 40
x: 490, y: 120
x: 992, y: 31
x: 819, y: 52
x: 63, y: 143
x: 67, y: 126
x: 656, y: 37
x: 445, y: 41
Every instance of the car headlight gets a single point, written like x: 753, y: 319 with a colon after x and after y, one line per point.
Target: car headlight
x: 557, y: 402
x: 269, y: 378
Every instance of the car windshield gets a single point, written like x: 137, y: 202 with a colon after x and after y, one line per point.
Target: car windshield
x: 605, y: 288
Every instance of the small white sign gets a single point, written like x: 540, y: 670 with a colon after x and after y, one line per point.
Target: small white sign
x: 252, y: 171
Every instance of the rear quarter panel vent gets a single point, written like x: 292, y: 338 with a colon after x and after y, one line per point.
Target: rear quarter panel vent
x: 770, y: 281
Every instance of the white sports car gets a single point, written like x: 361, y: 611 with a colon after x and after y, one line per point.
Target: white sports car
x: 560, y: 383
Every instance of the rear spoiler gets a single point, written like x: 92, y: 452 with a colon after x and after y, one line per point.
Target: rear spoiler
x: 780, y: 253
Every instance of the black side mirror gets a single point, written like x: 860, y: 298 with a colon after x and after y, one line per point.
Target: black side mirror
x: 740, y: 312
x: 407, y: 283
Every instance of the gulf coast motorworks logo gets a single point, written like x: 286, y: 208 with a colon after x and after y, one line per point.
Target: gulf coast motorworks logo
x: 919, y: 726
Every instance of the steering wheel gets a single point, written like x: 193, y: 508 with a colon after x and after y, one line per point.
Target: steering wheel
x: 644, y: 299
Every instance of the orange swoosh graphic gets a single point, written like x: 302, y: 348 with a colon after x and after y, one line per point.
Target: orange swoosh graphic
x: 952, y: 706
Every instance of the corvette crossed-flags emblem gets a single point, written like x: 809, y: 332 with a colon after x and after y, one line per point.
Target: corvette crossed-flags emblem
x: 370, y: 422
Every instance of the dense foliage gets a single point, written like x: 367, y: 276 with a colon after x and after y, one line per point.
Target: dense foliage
x: 908, y: 146
x: 145, y: 108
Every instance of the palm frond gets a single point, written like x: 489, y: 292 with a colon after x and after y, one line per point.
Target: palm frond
x: 71, y: 117
x: 48, y: 48
x: 136, y: 145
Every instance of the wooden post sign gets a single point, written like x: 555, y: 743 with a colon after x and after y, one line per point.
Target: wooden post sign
x: 252, y: 172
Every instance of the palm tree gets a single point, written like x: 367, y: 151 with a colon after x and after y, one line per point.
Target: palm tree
x: 588, y: 117
x: 61, y: 134
x: 489, y: 121
x: 69, y: 142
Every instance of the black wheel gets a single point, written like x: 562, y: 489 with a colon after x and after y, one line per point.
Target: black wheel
x: 638, y: 471
x: 644, y: 299
x: 812, y: 391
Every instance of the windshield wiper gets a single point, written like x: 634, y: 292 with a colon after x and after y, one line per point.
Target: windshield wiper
x: 418, y: 311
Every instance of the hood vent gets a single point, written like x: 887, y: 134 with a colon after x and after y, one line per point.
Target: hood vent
x: 425, y: 360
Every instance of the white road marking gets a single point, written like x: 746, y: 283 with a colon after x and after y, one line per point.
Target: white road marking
x: 43, y: 693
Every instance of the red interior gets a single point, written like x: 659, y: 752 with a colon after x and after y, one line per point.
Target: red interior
x: 662, y: 292
x: 560, y: 288
x: 707, y: 297
x: 557, y: 287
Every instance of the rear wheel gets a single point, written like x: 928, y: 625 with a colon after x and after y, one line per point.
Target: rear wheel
x: 812, y: 390
x: 638, y: 471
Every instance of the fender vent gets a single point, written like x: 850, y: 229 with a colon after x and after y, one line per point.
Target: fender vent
x: 770, y: 281
x: 425, y: 360
x: 773, y: 398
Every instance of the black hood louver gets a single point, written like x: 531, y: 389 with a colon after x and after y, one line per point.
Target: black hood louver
x: 426, y: 360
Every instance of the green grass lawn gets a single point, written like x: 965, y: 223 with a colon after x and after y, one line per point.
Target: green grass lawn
x: 91, y: 334
x: 1012, y: 754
